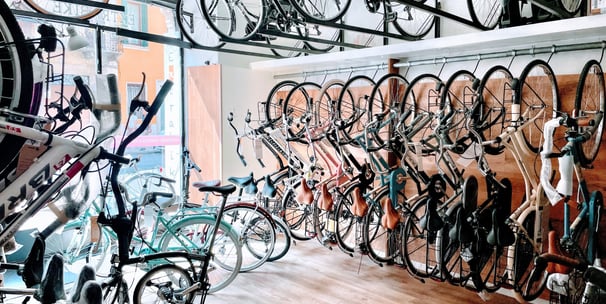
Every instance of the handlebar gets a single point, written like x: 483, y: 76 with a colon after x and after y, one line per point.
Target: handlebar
x: 121, y: 224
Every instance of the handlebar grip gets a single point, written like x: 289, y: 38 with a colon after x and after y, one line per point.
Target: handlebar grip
x: 155, y: 106
x: 247, y: 119
x: 84, y: 93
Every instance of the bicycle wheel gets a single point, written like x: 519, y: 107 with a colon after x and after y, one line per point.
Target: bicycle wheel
x: 298, y: 217
x: 495, y: 96
x: 346, y: 224
x: 116, y: 292
x: 486, y: 14
x: 383, y: 244
x: 321, y: 10
x: 418, y: 243
x: 164, y: 284
x: 237, y: 22
x: 423, y: 96
x: 99, y: 253
x: 571, y: 6
x: 283, y: 240
x: 537, y: 94
x: 388, y: 93
x: 352, y: 105
x: 326, y: 36
x: 457, y: 100
x: 522, y: 253
x: 141, y: 183
x: 274, y: 104
x: 193, y: 25
x: 411, y: 21
x: 65, y: 9
x: 190, y: 233
x: 256, y: 230
x: 16, y: 85
x: 324, y: 225
x: 297, y: 107
x: 293, y: 47
x: 324, y: 113
x: 589, y: 101
x: 454, y: 268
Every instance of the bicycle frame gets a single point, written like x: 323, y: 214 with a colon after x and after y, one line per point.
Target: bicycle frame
x: 64, y: 159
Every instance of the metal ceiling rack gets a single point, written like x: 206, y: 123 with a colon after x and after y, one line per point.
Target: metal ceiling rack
x: 552, y: 49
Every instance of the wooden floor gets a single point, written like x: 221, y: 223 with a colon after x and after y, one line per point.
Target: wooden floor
x: 310, y: 273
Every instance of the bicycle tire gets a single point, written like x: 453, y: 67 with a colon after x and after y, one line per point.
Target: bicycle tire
x: 141, y: 183
x: 352, y: 106
x: 416, y: 243
x: 410, y: 21
x: 494, y: 93
x: 193, y: 25
x: 321, y: 10
x: 115, y: 293
x: 283, y: 240
x: 274, y: 104
x: 345, y: 221
x: 383, y: 245
x: 324, y: 108
x: 323, y: 225
x: 486, y: 14
x: 537, y: 91
x: 388, y: 93
x: 298, y: 217
x: 227, y: 250
x: 99, y: 254
x: 256, y: 230
x: 297, y: 46
x: 589, y: 101
x: 242, y: 24
x: 297, y: 107
x: 17, y: 85
x: 457, y: 101
x: 523, y: 255
x: 54, y: 8
x: 161, y: 283
x: 453, y: 268
x: 423, y: 94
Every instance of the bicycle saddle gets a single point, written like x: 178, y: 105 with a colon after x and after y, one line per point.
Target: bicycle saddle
x: 500, y: 233
x: 223, y: 190
x: 462, y: 229
x: 432, y: 221
x: 390, y: 218
x: 305, y: 195
x: 359, y: 207
x: 33, y: 267
x: 86, y: 274
x: 326, y: 202
x: 209, y: 183
x: 269, y: 189
x: 247, y: 183
x: 52, y: 287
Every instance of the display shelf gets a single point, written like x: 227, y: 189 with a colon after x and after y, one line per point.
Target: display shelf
x: 579, y: 30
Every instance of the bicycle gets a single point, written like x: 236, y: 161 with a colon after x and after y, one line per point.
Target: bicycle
x: 491, y: 13
x: 172, y: 283
x: 579, y: 240
x: 83, y: 11
x: 261, y: 20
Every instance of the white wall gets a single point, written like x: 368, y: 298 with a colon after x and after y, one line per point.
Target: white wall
x: 241, y: 90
